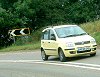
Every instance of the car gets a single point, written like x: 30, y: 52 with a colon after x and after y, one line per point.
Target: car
x: 66, y: 41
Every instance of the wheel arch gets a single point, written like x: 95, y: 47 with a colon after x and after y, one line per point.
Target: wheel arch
x: 61, y: 54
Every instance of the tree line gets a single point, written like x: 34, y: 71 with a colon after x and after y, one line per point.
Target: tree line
x: 39, y: 13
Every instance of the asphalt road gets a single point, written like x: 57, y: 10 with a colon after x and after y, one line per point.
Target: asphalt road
x: 30, y: 64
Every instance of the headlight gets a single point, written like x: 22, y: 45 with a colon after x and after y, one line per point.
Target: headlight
x: 71, y: 45
x: 93, y: 41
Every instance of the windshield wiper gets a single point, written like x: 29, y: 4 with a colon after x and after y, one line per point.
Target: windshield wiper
x: 83, y: 34
x: 74, y: 35
x: 68, y: 36
x: 80, y: 34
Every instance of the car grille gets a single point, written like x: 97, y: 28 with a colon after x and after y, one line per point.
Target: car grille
x: 82, y: 43
x: 83, y: 51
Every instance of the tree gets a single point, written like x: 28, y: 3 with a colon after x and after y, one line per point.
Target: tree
x: 6, y: 4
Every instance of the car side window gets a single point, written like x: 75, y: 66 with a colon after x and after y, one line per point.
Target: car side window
x: 45, y: 35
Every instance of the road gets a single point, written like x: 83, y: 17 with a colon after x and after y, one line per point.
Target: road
x: 30, y: 64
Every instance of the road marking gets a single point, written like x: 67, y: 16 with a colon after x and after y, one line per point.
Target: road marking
x: 68, y: 64
x: 71, y: 65
x: 18, y: 61
x: 85, y: 64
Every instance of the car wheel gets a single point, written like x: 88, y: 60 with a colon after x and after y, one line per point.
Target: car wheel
x: 44, y: 56
x: 93, y: 54
x: 62, y: 56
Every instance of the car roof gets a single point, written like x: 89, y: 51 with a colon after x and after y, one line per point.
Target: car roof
x: 63, y: 26
x: 59, y: 26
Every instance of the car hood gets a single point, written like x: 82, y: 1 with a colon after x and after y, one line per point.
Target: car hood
x: 76, y: 39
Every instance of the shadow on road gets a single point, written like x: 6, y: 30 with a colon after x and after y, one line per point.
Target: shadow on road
x: 70, y: 59
x: 77, y: 58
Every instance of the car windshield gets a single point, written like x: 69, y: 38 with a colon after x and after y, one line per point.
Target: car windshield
x: 64, y: 32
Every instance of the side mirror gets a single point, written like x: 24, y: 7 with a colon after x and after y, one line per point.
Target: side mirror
x: 53, y: 37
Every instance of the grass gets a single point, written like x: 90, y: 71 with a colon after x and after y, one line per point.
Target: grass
x: 96, y: 35
x: 93, y: 28
x: 14, y: 48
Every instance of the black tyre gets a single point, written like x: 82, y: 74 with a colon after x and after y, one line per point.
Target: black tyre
x: 43, y: 55
x: 93, y: 54
x: 62, y: 56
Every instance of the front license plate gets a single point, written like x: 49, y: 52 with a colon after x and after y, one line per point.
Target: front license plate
x: 87, y: 48
x: 83, y: 49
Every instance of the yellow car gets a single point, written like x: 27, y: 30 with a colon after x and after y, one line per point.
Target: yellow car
x: 66, y: 41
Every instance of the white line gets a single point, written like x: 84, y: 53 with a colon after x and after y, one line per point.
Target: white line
x: 68, y: 64
x: 85, y: 64
x: 19, y: 61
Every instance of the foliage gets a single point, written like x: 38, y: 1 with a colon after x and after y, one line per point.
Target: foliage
x: 93, y: 28
x: 39, y: 13
x: 97, y: 37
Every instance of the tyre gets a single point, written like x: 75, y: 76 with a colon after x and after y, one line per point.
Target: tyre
x: 43, y: 55
x: 62, y: 56
x: 93, y: 54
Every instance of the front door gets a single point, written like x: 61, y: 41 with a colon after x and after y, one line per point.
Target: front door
x: 50, y: 46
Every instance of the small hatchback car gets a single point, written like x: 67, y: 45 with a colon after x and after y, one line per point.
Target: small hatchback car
x: 66, y: 41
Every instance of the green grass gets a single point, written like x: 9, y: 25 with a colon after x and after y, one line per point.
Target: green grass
x: 96, y: 35
x: 14, y: 48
